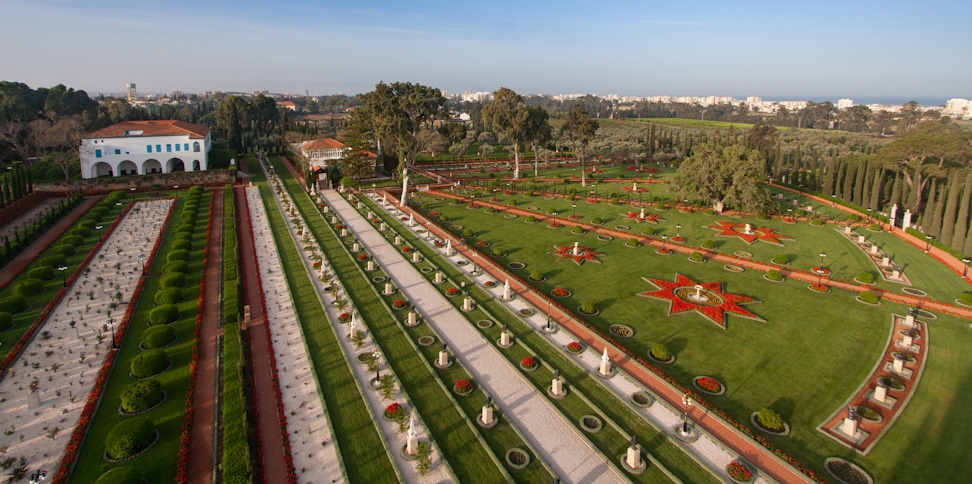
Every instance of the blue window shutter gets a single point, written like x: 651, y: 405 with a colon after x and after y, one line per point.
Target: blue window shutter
x: 148, y: 148
x: 97, y: 153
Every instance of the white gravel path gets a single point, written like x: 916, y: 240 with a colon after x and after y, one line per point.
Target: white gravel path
x: 37, y: 425
x: 20, y: 223
x: 556, y: 440
x: 708, y: 450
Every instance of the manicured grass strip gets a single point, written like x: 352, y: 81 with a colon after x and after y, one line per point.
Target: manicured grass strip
x: 353, y: 427
x: 682, y: 465
x: 231, y: 264
x: 236, y: 446
x: 449, y: 428
x: 158, y: 462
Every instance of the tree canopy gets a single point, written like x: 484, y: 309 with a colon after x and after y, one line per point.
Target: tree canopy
x: 579, y: 129
x: 508, y: 115
x: 724, y: 175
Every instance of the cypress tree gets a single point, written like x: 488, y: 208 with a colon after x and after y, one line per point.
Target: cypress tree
x: 968, y: 242
x: 778, y: 159
x: 828, y: 184
x: 875, y: 202
x: 951, y: 206
x: 962, y: 223
x: 849, y: 178
x: 30, y: 181
x: 859, y: 183
x: 935, y: 229
x: 896, y: 192
x: 866, y: 188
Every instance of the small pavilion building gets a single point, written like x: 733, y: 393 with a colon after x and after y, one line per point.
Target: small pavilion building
x: 145, y: 147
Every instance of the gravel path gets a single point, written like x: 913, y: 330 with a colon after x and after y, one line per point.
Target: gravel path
x: 20, y: 223
x: 556, y: 440
x: 38, y: 424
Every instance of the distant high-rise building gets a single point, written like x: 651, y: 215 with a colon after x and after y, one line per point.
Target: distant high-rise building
x: 130, y: 92
x: 845, y: 103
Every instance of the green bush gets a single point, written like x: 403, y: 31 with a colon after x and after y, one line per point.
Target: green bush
x: 531, y: 219
x: 53, y: 261
x: 172, y: 295
x: 799, y: 212
x: 178, y: 266
x: 774, y: 275
x: 130, y: 437
x: 648, y: 231
x: 115, y: 196
x: 597, y: 220
x: 43, y: 273
x: 770, y: 419
x: 186, y: 227
x: 868, y: 297
x: 183, y: 236
x: 177, y: 255
x: 966, y: 298
x: 588, y: 307
x: 65, y: 250
x: 80, y: 231
x: 157, y: 336
x: 30, y: 287
x: 98, y: 212
x: 444, y: 218
x: 188, y: 219
x: 874, y: 228
x: 467, y: 232
x: 141, y: 395
x: 633, y: 241
x: 536, y: 275
x: 175, y: 279
x: 708, y: 244
x: 195, y: 191
x: 149, y: 363
x: 6, y: 321
x: 660, y: 352
x: 121, y: 475
x: 577, y: 229
x: 696, y: 257
x: 164, y: 314
x: 818, y: 222
x: 181, y: 245
x: 614, y: 201
x: 498, y: 252
x: 72, y: 240
x: 865, y: 277
x: 781, y: 259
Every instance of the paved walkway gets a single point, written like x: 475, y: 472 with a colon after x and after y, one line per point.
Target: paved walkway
x: 556, y: 441
x: 16, y: 266
x: 270, y: 442
x: 30, y: 216
x: 202, y: 433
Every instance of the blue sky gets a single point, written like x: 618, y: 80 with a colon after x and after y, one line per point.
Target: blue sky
x: 776, y: 50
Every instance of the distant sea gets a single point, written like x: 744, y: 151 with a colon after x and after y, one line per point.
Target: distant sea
x: 882, y: 100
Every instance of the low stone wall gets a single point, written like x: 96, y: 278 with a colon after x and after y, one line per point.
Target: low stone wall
x: 141, y: 183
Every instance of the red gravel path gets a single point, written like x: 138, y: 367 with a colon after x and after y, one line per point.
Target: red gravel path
x: 202, y: 433
x: 270, y: 446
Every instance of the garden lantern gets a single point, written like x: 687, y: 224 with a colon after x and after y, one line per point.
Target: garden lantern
x: 63, y: 276
x: 686, y: 403
x: 965, y: 270
x: 376, y: 354
x: 111, y: 325
x: 928, y: 239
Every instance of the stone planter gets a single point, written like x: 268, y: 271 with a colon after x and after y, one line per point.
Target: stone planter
x: 783, y: 433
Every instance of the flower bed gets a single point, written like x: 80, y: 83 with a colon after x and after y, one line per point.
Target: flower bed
x: 484, y: 323
x: 406, y: 249
x: 621, y: 330
x: 400, y: 304
x: 363, y: 257
x: 452, y: 292
x: 846, y: 472
x: 344, y: 317
x: 529, y: 363
x: 560, y: 292
x: 392, y: 411
x: 574, y: 347
x: 463, y: 386
x: 739, y: 472
x: 709, y: 385
x: 490, y: 283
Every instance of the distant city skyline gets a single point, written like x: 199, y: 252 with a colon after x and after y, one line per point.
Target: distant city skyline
x: 778, y: 51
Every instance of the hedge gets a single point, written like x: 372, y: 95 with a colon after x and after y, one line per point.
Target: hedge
x: 72, y: 240
x: 172, y: 295
x: 141, y: 395
x: 178, y: 266
x: 13, y: 304
x: 149, y: 363
x: 164, y: 314
x: 30, y: 287
x: 65, y: 250
x: 43, y: 273
x: 175, y: 279
x: 121, y: 475
x: 181, y: 245
x: 6, y: 321
x: 177, y: 255
x: 53, y: 261
x: 157, y: 336
x: 130, y: 437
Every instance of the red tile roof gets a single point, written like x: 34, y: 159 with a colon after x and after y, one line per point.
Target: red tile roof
x: 152, y: 128
x: 322, y: 144
x: 288, y: 104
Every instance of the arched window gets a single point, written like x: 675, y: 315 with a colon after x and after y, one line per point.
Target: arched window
x: 195, y: 146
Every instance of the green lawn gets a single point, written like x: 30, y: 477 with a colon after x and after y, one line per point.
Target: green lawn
x: 806, y: 359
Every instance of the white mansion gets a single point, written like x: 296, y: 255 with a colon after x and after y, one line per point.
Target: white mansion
x: 143, y: 147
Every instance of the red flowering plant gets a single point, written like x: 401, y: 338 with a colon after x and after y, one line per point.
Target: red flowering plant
x: 463, y: 385
x: 404, y: 218
x: 362, y: 256
x: 708, y: 384
x: 482, y: 243
x: 560, y: 292
x: 434, y: 214
x: 338, y: 226
x: 317, y: 264
x: 528, y: 362
x: 452, y: 291
x: 738, y: 471
x: 438, y: 243
x: 392, y: 410
x: 376, y: 221
x: 399, y: 304
x: 574, y: 347
x: 344, y: 317
x: 406, y: 249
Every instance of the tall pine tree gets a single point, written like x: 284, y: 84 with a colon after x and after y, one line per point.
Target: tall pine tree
x: 859, y: 183
x: 951, y: 206
x: 875, y: 201
x: 935, y: 227
x: 828, y: 184
x: 962, y: 223
x: 849, y: 177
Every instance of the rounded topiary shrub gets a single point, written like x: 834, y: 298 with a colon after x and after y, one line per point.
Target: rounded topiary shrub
x: 597, y: 220
x: 149, y: 363
x: 869, y: 297
x: 660, y: 352
x: 182, y: 245
x: 588, y: 307
x: 186, y: 227
x: 632, y: 241
x: 172, y: 295
x: 467, y: 232
x: 577, y: 229
x: 72, y: 240
x: 195, y: 191
x: 65, y: 250
x: 774, y: 275
x: 708, y: 244
x: 141, y: 396
x: 177, y: 255
x: 966, y: 298
x: 536, y: 275
x: 174, y: 279
x: 444, y: 218
x: 865, y: 277
x: 696, y: 257
x: 13, y: 304
x: 80, y: 231
x: 781, y: 259
x: 164, y: 314
x: 30, y: 287
x: 770, y: 419
x: 98, y: 212
x: 188, y: 218
x: 182, y: 236
x: 121, y: 475
x: 648, y: 231
x: 89, y: 222
x: 6, y: 320
x: 42, y: 273
x: 531, y: 218
x: 498, y: 252
x: 53, y: 261
x: 177, y: 266
x: 157, y: 337
x: 816, y: 222
x: 130, y: 437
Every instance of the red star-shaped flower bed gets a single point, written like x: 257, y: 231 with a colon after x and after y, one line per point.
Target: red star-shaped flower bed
x: 707, y: 299
x: 649, y: 217
x: 567, y: 252
x: 765, y: 234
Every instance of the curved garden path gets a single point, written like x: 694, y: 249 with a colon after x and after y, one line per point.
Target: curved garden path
x: 270, y: 445
x: 203, y: 431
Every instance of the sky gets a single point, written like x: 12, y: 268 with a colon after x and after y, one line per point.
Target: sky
x: 816, y: 50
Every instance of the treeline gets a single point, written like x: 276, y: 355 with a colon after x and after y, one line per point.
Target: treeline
x: 17, y: 183
x: 24, y: 236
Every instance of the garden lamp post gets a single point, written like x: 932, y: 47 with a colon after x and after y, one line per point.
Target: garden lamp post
x: 376, y: 354
x: 40, y: 475
x: 965, y: 270
x: 98, y: 228
x: 869, y: 216
x: 63, y: 275
x: 801, y: 189
x: 111, y: 325
x: 664, y: 239
x: 141, y: 260
x: 678, y: 228
x: 928, y: 239
x: 685, y: 203
x: 821, y: 269
x: 374, y: 187
x: 573, y: 210
x: 686, y: 403
x: 595, y: 190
